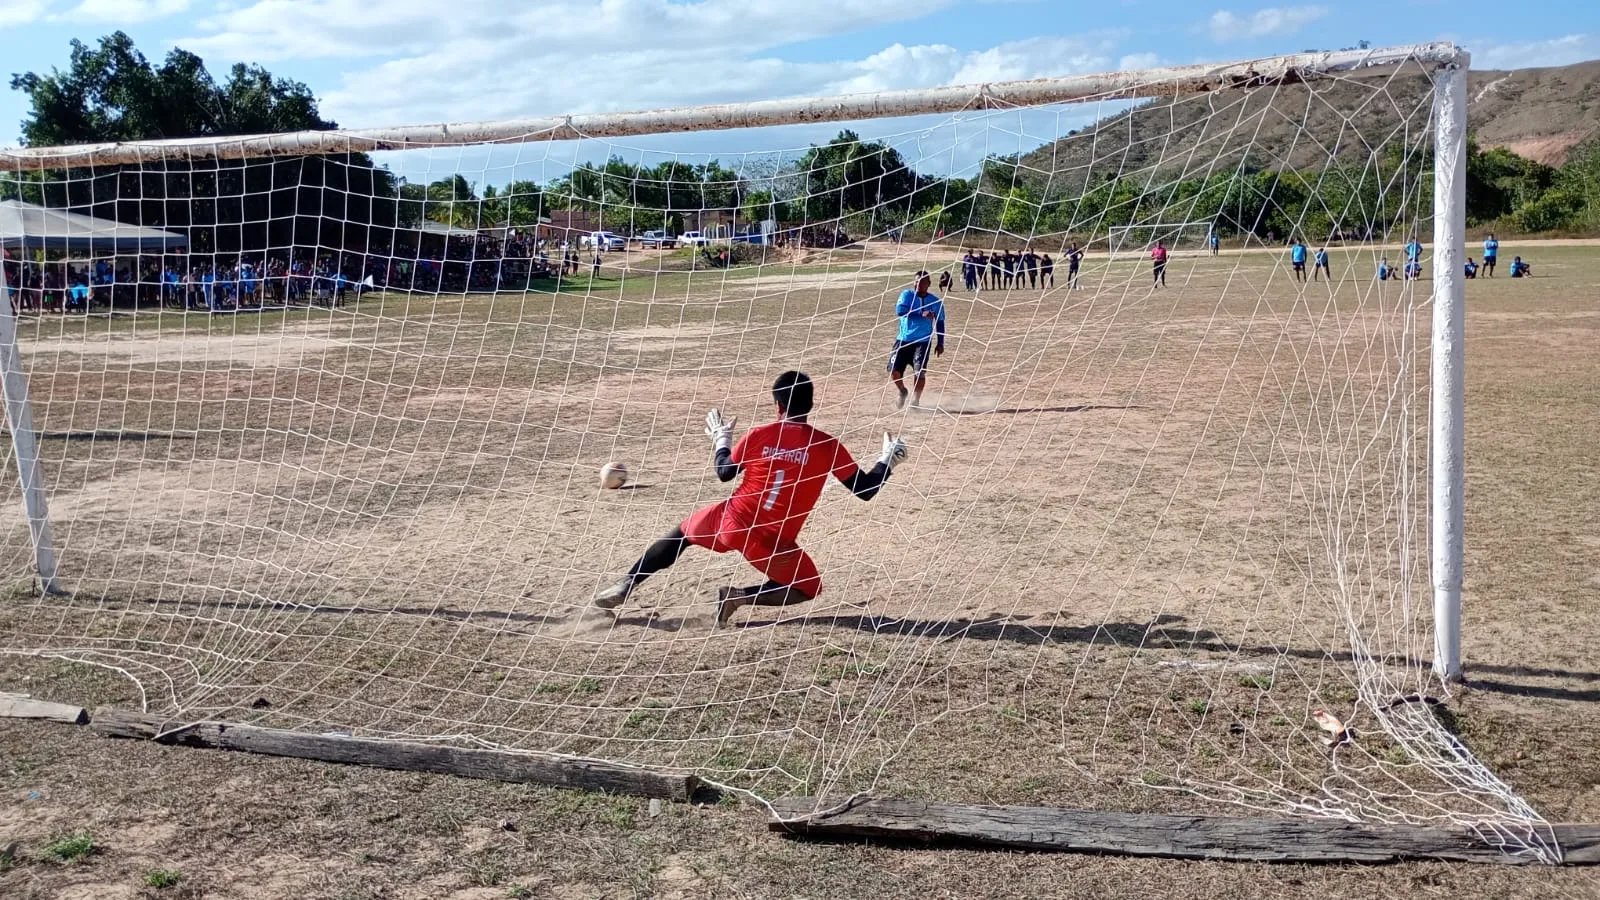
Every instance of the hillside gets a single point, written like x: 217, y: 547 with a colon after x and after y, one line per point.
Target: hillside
x: 1538, y: 113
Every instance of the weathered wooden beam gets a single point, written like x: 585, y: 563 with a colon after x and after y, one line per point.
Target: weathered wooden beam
x: 495, y: 765
x: 21, y: 706
x: 1181, y: 837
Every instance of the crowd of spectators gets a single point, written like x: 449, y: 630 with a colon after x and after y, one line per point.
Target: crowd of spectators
x: 274, y: 278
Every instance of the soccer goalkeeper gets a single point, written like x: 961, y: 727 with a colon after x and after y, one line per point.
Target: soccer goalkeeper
x: 785, y: 465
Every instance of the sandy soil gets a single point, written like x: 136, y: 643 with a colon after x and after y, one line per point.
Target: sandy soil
x: 1127, y: 552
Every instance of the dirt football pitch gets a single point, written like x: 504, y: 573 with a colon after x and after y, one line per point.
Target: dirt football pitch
x: 1116, y: 572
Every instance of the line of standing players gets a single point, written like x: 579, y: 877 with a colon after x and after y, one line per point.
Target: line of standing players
x: 1007, y: 269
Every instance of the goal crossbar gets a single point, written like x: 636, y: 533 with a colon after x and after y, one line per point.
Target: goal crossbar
x: 1134, y: 84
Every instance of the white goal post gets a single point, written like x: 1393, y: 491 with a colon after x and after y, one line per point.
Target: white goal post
x: 1124, y: 242
x: 334, y: 441
x: 1451, y: 62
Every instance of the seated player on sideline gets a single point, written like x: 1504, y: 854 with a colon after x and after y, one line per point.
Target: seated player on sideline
x: 1384, y: 272
x: 1472, y: 268
x: 1520, y: 269
x: 785, y: 465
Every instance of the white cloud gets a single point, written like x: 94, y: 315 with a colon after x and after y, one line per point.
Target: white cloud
x: 496, y: 59
x: 531, y: 32
x: 1559, y: 51
x: 1139, y: 61
x: 122, y: 12
x: 1038, y: 58
x: 1225, y: 26
x: 20, y: 12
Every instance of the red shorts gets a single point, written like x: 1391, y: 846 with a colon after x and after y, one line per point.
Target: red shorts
x: 774, y: 556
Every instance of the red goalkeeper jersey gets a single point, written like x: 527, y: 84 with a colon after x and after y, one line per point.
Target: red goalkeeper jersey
x: 785, y: 466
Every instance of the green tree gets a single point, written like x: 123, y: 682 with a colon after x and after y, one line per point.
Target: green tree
x: 1019, y: 213
x: 1499, y: 181
x: 111, y: 92
x: 524, y: 202
x: 453, y: 201
x: 847, y: 175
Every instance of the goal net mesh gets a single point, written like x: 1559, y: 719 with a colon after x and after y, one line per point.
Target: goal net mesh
x: 334, y: 463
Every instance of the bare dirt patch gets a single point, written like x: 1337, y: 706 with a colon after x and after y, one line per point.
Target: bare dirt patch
x: 391, y: 528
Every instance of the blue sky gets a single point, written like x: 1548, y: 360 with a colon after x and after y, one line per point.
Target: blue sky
x: 418, y: 61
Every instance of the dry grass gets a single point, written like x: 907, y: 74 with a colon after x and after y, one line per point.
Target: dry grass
x: 1091, y: 579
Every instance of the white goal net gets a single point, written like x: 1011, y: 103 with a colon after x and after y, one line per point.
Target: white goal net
x: 321, y: 436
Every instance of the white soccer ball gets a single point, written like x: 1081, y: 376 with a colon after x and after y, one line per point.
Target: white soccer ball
x: 613, y: 475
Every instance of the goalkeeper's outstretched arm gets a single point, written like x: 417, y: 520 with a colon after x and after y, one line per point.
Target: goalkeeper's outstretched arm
x: 865, y: 485
x: 721, y: 434
x: 727, y: 469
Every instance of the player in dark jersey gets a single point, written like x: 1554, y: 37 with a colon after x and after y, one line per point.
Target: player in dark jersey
x: 785, y: 465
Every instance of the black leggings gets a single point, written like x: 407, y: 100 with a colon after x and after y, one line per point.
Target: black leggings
x: 660, y: 555
x: 665, y: 551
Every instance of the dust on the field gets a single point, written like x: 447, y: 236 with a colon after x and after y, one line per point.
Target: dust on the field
x: 1088, y: 582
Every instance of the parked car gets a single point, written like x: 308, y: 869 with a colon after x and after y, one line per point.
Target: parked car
x: 693, y: 239
x: 657, y: 239
x: 605, y: 240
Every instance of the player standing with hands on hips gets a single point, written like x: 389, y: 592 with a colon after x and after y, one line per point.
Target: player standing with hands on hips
x: 921, y: 320
x: 785, y: 465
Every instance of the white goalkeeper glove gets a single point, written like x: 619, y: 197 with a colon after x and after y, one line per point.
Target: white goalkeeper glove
x: 894, y: 452
x: 720, y: 432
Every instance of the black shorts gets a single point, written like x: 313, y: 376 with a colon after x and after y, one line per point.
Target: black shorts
x: 1299, y: 267
x: 910, y: 354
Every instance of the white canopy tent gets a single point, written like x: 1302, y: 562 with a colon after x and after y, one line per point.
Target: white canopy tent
x: 26, y: 226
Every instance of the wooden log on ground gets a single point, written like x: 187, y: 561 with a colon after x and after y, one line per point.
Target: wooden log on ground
x: 1180, y: 837
x: 496, y: 765
x: 21, y: 706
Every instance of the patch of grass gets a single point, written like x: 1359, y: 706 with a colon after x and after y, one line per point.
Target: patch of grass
x: 162, y: 878
x: 1199, y: 706
x: 582, y: 807
x: 1259, y: 682
x: 70, y: 848
x: 488, y: 869
x: 588, y: 685
x: 519, y: 891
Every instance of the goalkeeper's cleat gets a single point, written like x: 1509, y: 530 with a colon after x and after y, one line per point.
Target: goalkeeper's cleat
x: 729, y: 600
x: 613, y: 596
x: 903, y: 395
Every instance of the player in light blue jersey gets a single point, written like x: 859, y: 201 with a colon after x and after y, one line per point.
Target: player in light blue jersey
x: 1297, y: 256
x: 1491, y: 249
x: 921, y: 323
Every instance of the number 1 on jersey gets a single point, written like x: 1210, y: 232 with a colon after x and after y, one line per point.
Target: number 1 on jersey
x: 777, y: 485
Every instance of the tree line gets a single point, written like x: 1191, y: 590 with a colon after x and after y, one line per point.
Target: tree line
x: 111, y: 92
